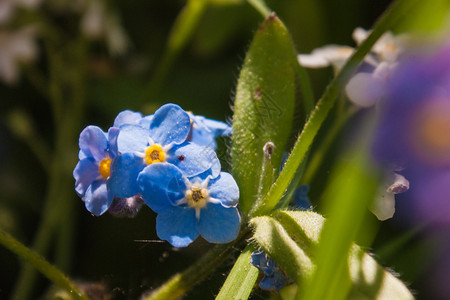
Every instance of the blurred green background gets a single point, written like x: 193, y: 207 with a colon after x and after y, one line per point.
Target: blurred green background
x: 124, y: 254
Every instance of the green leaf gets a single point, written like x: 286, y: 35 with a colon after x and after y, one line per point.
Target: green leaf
x: 277, y: 243
x: 368, y: 279
x: 264, y: 105
x: 242, y: 278
x: 389, y: 19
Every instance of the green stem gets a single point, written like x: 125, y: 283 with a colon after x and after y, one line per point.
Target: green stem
x: 260, y: 7
x: 324, y: 105
x: 180, y: 283
x: 182, y: 31
x: 51, y: 272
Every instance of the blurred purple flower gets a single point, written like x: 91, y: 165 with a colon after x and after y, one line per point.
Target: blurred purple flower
x: 414, y: 131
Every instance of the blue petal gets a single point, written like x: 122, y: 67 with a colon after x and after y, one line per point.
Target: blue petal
x: 192, y: 159
x: 170, y: 124
x: 98, y: 198
x: 301, y: 200
x: 161, y: 184
x: 206, y: 130
x: 113, y: 134
x: 125, y: 169
x: 85, y: 172
x: 132, y: 138
x: 93, y: 142
x: 219, y: 224
x: 225, y: 189
x: 145, y: 121
x: 177, y: 225
x: 127, y: 117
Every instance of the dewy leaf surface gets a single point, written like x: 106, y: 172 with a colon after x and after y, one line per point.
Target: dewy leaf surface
x: 264, y: 105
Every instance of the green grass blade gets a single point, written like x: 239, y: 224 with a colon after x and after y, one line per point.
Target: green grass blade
x: 239, y: 283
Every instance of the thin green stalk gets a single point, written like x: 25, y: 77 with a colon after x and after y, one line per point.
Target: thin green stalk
x: 181, y: 283
x: 182, y: 31
x: 51, y: 272
x: 260, y: 7
x: 318, y: 116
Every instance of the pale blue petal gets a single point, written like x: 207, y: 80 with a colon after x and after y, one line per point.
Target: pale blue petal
x: 145, y: 121
x: 113, y: 134
x: 219, y: 224
x: 170, y: 124
x: 205, y: 131
x: 93, y: 142
x: 85, y: 172
x: 225, y: 189
x: 132, y: 138
x: 193, y: 160
x: 177, y: 225
x: 161, y: 184
x: 125, y: 169
x: 127, y: 117
x: 98, y: 198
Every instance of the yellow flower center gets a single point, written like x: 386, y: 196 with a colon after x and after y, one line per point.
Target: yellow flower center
x: 432, y: 133
x: 197, y: 197
x: 105, y: 167
x: 154, y: 154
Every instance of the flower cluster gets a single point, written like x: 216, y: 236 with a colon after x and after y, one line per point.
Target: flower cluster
x: 413, y: 131
x: 168, y: 160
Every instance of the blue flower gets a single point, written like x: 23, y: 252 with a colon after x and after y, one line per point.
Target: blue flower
x: 92, y: 173
x: 163, y: 141
x: 205, y: 131
x: 300, y: 199
x: 413, y: 132
x: 188, y: 207
x: 274, y: 277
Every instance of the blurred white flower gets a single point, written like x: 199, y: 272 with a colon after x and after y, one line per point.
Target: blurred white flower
x: 365, y: 88
x: 383, y: 206
x: 16, y: 48
x: 7, y: 8
x: 100, y: 22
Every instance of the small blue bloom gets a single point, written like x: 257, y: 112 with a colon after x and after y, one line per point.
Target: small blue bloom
x: 92, y: 173
x: 163, y: 141
x: 274, y: 277
x: 205, y: 131
x: 188, y: 207
x: 300, y: 199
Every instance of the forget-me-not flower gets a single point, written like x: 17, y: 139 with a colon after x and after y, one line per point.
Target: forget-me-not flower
x: 163, y: 141
x: 92, y: 173
x: 188, y: 207
x: 274, y: 277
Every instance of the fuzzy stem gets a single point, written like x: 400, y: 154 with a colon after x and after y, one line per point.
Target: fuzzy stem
x: 180, y: 283
x: 51, y: 272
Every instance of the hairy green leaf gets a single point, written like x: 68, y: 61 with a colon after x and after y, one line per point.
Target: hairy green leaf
x: 277, y: 243
x: 239, y: 283
x: 264, y: 106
